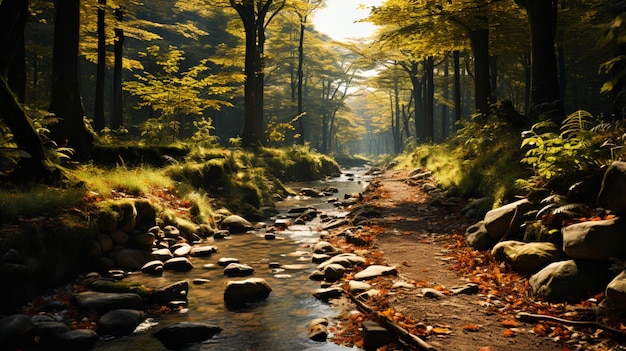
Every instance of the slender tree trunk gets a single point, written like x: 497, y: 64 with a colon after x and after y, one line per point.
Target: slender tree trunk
x: 479, y: 39
x: 445, y: 120
x: 300, y: 78
x: 493, y: 73
x: 98, y: 116
x: 13, y: 15
x: 420, y: 120
x: 65, y: 100
x: 429, y: 67
x: 458, y: 113
x: 117, y: 116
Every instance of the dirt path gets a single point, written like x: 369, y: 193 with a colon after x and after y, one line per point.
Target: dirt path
x: 419, y: 240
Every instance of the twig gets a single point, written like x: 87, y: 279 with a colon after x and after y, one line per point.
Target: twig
x: 534, y: 318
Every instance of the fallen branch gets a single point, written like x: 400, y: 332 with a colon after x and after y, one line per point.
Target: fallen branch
x: 534, y: 318
x: 397, y: 330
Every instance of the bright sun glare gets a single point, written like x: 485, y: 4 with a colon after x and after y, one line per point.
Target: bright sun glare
x: 339, y: 19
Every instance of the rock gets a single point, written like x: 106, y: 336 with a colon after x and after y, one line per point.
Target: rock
x: 146, y: 215
x: 316, y: 275
x: 178, y: 264
x: 12, y: 256
x: 269, y: 236
x: 334, y: 272
x: 127, y: 216
x: 375, y: 336
x: 477, y: 237
x: 374, y: 271
x: 616, y: 290
x: 171, y: 231
x: 78, y: 340
x: 468, y: 289
x: 319, y: 258
x: 130, y: 259
x: 508, y: 217
x: 323, y: 247
x: 335, y: 223
x: 431, y: 293
x: 13, y: 328
x: 154, y: 268
x: 238, y: 270
x: 248, y: 290
x: 326, y: 294
x: 162, y: 254
x: 172, y: 292
x: 318, y: 332
x: 45, y: 334
x: 119, y: 322
x: 595, y: 240
x: 119, y: 237
x: 202, y: 251
x: 282, y: 223
x: 347, y: 260
x: 311, y: 192
x: 141, y: 240
x: 105, y: 302
x: 527, y: 257
x: 181, y: 249
x: 570, y: 279
x: 355, y: 287
x: 200, y: 281
x: 221, y: 234
x: 177, y: 335
x: 236, y: 224
x: 225, y: 261
x: 613, y: 191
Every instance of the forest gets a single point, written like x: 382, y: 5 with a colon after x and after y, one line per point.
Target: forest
x: 203, y: 109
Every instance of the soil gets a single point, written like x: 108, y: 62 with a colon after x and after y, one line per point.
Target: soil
x: 425, y: 243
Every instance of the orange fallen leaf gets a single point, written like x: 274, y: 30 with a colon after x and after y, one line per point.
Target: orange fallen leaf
x: 508, y: 332
x: 508, y: 323
x: 471, y: 327
x: 487, y: 348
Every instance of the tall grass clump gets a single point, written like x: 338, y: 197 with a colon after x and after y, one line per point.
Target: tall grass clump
x: 136, y: 180
x: 38, y: 201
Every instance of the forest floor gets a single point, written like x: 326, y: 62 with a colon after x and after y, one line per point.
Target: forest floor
x: 427, y: 246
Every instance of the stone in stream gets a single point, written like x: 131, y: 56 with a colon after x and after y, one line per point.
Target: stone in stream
x: 356, y: 287
x: 318, y: 332
x: 177, y: 335
x: 170, y: 231
x: 105, y: 302
x: 316, y: 275
x: 78, y: 339
x: 45, y: 334
x: 178, y: 264
x: 238, y: 270
x: 202, y: 251
x: 130, y: 259
x: 311, y: 192
x: 162, y: 254
x: 236, y: 224
x: 326, y: 294
x: 13, y: 328
x: 172, y: 292
x: 181, y: 249
x: 119, y: 322
x: 154, y: 268
x: 324, y: 247
x: 249, y: 290
x: 319, y: 258
x: 270, y: 236
x: 334, y: 272
x: 347, y: 260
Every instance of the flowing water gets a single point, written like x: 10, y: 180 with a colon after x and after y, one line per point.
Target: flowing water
x: 278, y: 323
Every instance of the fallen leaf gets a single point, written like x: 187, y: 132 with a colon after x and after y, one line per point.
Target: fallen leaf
x: 471, y: 327
x: 441, y: 330
x: 487, y: 348
x: 508, y: 332
x: 508, y: 323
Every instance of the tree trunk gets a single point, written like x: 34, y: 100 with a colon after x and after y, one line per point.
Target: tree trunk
x: 545, y: 99
x: 24, y: 135
x: 65, y: 100
x: 445, y: 120
x: 300, y: 126
x: 117, y: 115
x: 429, y: 67
x: 479, y: 40
x: 98, y: 116
x: 458, y: 113
x: 13, y: 15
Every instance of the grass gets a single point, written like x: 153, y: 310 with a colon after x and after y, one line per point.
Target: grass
x: 39, y: 201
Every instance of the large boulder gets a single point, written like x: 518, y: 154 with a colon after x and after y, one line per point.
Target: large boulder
x: 12, y: 328
x: 595, y: 240
x: 613, y: 191
x: 527, y: 257
x: 506, y: 218
x: 616, y: 290
x: 567, y: 280
x: 249, y: 290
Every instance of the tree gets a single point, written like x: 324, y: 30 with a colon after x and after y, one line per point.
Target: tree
x: 13, y: 15
x: 65, y: 100
x: 254, y: 16
x: 98, y: 115
x: 545, y: 97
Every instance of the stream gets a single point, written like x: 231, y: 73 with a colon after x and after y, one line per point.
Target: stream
x: 277, y: 323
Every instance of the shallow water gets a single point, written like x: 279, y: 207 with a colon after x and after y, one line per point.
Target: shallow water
x: 278, y: 323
